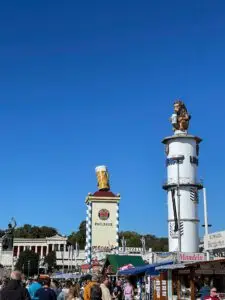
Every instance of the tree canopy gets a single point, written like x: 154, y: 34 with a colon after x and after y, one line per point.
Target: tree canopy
x: 79, y: 236
x: 50, y: 260
x: 28, y: 263
x: 133, y: 239
x: 29, y: 231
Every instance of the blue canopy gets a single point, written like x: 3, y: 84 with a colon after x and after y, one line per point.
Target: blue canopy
x: 146, y: 269
x: 66, y: 276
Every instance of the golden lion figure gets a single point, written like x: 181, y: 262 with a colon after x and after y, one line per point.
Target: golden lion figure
x: 180, y: 118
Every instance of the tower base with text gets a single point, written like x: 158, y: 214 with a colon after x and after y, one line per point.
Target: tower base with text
x: 102, y: 219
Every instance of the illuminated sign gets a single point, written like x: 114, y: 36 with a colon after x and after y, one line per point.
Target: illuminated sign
x: 103, y: 214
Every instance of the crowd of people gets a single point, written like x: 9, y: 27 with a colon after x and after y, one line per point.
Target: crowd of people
x: 96, y: 288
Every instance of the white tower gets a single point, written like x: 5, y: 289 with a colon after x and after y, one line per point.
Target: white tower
x: 102, y: 221
x: 182, y: 184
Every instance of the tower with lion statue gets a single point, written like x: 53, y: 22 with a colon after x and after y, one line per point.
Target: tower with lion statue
x: 182, y: 185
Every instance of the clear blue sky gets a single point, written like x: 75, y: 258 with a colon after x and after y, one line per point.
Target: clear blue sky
x: 84, y: 83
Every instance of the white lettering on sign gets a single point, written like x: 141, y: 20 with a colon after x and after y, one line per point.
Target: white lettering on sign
x: 192, y: 257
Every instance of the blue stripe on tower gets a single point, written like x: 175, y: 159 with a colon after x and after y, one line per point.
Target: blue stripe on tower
x: 117, y: 227
x: 89, y: 232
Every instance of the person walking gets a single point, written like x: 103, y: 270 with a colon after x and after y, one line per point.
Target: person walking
x: 33, y: 287
x: 128, y: 291
x: 213, y: 295
x: 45, y: 292
x: 65, y: 290
x: 87, y: 289
x: 117, y: 291
x: 73, y: 294
x: 14, y: 289
x: 105, y: 290
x: 205, y: 290
x: 96, y: 292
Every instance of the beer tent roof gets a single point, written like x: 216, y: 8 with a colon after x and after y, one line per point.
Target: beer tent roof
x: 118, y: 261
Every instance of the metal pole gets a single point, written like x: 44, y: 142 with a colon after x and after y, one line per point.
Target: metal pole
x: 69, y: 252
x: 76, y: 254
x: 178, y: 206
x: 28, y: 271
x: 206, y: 219
x: 63, y: 258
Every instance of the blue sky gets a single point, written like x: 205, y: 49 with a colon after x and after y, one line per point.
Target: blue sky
x: 84, y: 83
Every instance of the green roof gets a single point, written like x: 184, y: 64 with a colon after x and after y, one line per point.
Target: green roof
x: 117, y: 261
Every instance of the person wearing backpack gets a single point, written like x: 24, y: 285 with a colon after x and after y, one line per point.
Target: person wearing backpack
x: 14, y: 289
x: 34, y: 286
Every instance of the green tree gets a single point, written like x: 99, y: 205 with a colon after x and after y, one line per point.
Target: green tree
x: 29, y: 231
x: 50, y: 260
x: 78, y: 236
x: 28, y: 262
x: 133, y: 239
x: 72, y: 238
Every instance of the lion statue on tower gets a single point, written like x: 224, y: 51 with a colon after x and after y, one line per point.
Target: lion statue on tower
x: 180, y: 118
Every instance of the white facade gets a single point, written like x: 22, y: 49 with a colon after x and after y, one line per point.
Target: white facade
x: 102, y: 223
x: 64, y: 258
x: 41, y: 246
x: 184, y: 175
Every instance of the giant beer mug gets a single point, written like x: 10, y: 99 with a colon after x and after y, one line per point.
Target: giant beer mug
x: 102, y: 177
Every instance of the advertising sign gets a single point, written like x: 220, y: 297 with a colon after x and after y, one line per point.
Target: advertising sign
x: 191, y: 257
x: 104, y: 225
x: 214, y: 240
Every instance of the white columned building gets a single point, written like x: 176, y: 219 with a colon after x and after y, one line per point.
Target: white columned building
x: 42, y: 246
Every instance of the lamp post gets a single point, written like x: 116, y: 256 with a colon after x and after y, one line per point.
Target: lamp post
x: 206, y: 224
x: 178, y: 159
x: 28, y: 268
x: 124, y: 242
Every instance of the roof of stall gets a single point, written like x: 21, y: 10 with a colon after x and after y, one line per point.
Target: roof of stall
x: 170, y: 267
x: 147, y: 269
x: 117, y: 261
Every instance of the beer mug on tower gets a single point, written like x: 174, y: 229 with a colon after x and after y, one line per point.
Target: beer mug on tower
x: 102, y: 178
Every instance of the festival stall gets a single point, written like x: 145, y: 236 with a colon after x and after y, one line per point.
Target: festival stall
x: 148, y: 279
x: 184, y: 281
x: 114, y: 262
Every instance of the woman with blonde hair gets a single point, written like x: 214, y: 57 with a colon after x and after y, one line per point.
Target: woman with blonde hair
x: 74, y: 293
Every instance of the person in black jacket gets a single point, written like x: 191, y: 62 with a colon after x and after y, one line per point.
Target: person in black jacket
x: 14, y: 289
